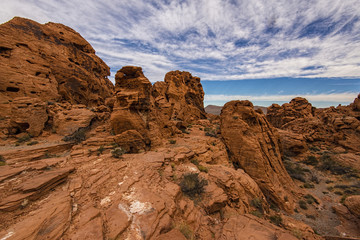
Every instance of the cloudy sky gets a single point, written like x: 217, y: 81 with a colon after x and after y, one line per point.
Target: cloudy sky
x: 262, y: 50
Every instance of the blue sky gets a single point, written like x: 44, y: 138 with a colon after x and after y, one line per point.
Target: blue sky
x: 262, y: 50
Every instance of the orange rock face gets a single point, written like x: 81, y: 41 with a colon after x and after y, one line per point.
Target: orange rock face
x: 50, y: 62
x: 155, y: 111
x: 254, y: 146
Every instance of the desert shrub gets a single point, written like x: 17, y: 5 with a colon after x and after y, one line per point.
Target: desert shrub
x: 257, y: 213
x: 77, y: 137
x: 308, y: 185
x: 172, y: 166
x: 314, y: 178
x: 117, y: 152
x: 100, y: 150
x: 172, y: 141
x: 32, y: 143
x: 314, y: 149
x: 194, y: 161
x: 339, y: 193
x: 303, y: 205
x: 257, y: 203
x: 295, y: 171
x: 310, y: 216
x: 343, y: 198
x: 310, y: 199
x: 235, y: 117
x: 275, y: 219
x: 311, y: 160
x: 203, y: 168
x: 24, y: 138
x: 185, y: 229
x: 210, y: 132
x: 328, y: 164
x: 2, y: 161
x: 191, y: 185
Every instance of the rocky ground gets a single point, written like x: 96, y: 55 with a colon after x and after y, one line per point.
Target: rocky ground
x: 83, y: 159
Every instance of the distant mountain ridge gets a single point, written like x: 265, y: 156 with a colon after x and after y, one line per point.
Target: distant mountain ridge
x: 216, y: 110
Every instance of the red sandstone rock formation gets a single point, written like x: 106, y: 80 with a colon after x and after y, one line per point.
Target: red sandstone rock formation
x: 254, y: 146
x: 50, y: 62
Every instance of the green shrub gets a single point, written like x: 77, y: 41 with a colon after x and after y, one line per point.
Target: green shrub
x: 328, y: 164
x: 172, y: 141
x: 295, y: 171
x: 194, y: 161
x: 257, y: 203
x: 235, y: 117
x: 24, y: 138
x: 100, y: 150
x: 308, y: 185
x: 257, y: 213
x: 310, y: 216
x: 192, y: 186
x: 77, y: 137
x: 185, y: 229
x: 310, y: 199
x: 275, y: 219
x: 32, y: 143
x: 311, y: 160
x: 203, y: 168
x: 314, y: 149
x: 2, y: 161
x: 303, y: 205
x: 117, y: 152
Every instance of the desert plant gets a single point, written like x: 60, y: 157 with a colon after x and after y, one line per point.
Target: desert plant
x: 257, y: 203
x: 172, y: 141
x: 308, y: 185
x: 185, y: 229
x: 328, y: 164
x: 2, y: 161
x: 32, y: 143
x: 24, y: 138
x: 100, y: 150
x: 194, y: 161
x: 295, y: 171
x: 77, y: 137
x: 310, y: 216
x: 192, y: 186
x: 303, y: 205
x: 276, y: 219
x: 314, y: 149
x: 257, y: 213
x: 203, y: 168
x: 311, y: 160
x: 310, y: 199
x: 117, y: 152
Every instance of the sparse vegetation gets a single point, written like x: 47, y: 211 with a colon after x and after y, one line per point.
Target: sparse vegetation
x: 310, y: 216
x: 2, y: 161
x: 257, y: 213
x: 117, y: 152
x: 308, y: 185
x: 310, y: 199
x: 257, y: 203
x: 172, y: 141
x: 303, y: 205
x: 194, y: 161
x: 311, y: 160
x: 276, y: 219
x: 295, y: 171
x: 235, y: 117
x: 32, y: 143
x: 192, y: 186
x: 210, y: 132
x: 314, y: 149
x: 185, y: 229
x: 203, y: 168
x: 328, y: 164
x: 100, y: 150
x: 77, y: 136
x: 23, y: 139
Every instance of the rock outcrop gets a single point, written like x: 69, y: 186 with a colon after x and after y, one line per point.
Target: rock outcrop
x: 51, y: 62
x: 254, y: 146
x: 155, y: 111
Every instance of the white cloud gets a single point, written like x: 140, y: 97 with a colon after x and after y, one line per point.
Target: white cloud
x: 200, y: 36
x: 335, y: 97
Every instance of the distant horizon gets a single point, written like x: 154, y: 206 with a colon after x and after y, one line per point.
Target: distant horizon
x: 266, y: 51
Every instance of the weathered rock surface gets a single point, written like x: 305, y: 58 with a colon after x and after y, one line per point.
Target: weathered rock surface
x: 353, y: 204
x: 155, y: 111
x: 254, y: 146
x: 28, y: 115
x: 51, y: 62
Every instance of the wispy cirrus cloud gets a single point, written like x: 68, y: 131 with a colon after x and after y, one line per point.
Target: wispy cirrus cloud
x: 214, y: 39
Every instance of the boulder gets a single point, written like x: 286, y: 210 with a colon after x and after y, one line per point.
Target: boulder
x: 28, y: 115
x: 51, y: 62
x: 353, y: 204
x: 254, y: 146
